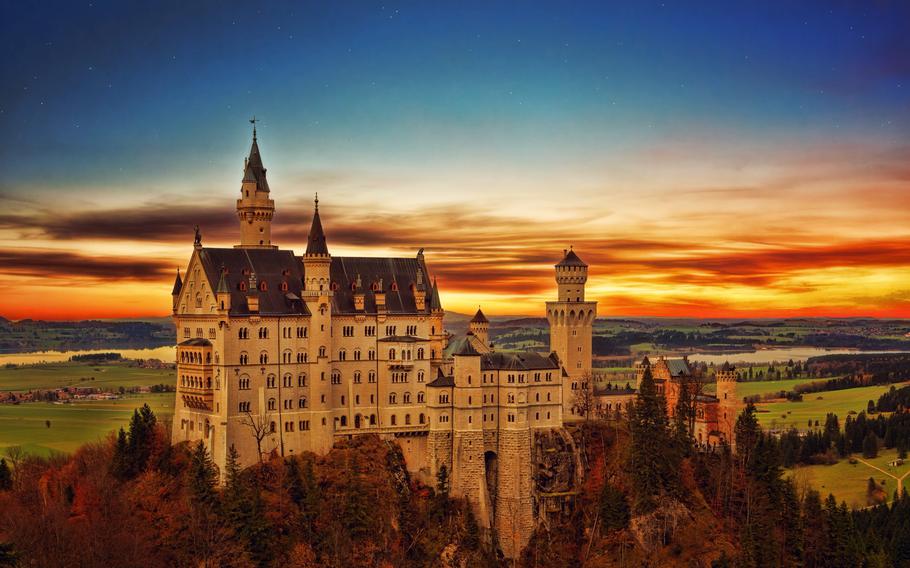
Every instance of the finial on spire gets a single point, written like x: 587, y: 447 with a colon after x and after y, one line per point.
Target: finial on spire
x: 253, y: 121
x: 316, y: 200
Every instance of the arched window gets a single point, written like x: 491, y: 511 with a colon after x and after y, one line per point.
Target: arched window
x: 392, y: 353
x: 420, y: 376
x: 301, y: 403
x: 406, y: 398
x: 421, y: 418
x: 372, y: 419
x: 394, y: 421
x: 301, y: 380
x: 407, y: 419
x: 263, y: 286
x: 322, y: 351
x: 420, y: 397
x: 392, y: 398
x: 420, y: 353
x: 344, y: 421
x: 272, y: 404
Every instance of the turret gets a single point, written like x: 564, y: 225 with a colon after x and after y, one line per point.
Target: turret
x: 223, y: 293
x: 420, y: 290
x: 729, y: 404
x: 571, y: 275
x: 480, y: 326
x: 175, y: 293
x: 254, y: 208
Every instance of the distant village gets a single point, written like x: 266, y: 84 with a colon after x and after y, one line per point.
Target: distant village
x: 73, y: 393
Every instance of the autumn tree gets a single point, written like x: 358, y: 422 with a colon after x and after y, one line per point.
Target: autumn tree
x: 259, y: 426
x: 583, y: 399
x: 6, y: 476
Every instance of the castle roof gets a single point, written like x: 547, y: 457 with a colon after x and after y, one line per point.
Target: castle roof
x: 178, y: 284
x: 571, y: 259
x: 254, y: 171
x: 231, y: 267
x: 316, y: 243
x: 479, y: 317
x: 442, y: 380
x: 434, y: 303
x: 393, y: 276
x: 517, y: 361
x: 463, y: 347
x: 195, y: 342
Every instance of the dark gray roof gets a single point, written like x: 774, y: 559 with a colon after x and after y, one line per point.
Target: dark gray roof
x: 518, y: 361
x: 602, y: 390
x: 403, y: 339
x: 316, y: 243
x: 254, y: 171
x: 571, y: 259
x: 678, y: 367
x: 479, y: 317
x: 442, y: 380
x: 434, y: 303
x: 706, y: 398
x: 178, y: 284
x: 400, y: 273
x: 195, y: 342
x: 272, y: 266
x: 462, y: 346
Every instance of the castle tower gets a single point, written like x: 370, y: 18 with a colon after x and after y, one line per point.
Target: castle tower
x: 317, y: 294
x: 468, y: 472
x: 480, y: 326
x: 175, y: 293
x: 729, y: 405
x: 254, y: 208
x: 571, y: 321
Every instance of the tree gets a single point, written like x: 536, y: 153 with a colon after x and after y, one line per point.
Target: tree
x: 655, y: 460
x: 120, y: 463
x: 202, y: 477
x: 583, y: 397
x: 614, y: 510
x: 870, y: 445
x: 259, y: 426
x: 6, y: 476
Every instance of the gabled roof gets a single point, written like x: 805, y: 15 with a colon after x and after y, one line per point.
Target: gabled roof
x: 442, y: 380
x: 463, y: 347
x: 272, y: 266
x: 678, y: 367
x: 571, y: 259
x: 518, y: 361
x: 479, y: 317
x: 400, y: 272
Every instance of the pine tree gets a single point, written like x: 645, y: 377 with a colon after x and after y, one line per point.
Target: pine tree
x: 654, y: 457
x: 870, y: 445
x: 614, y: 510
x: 120, y: 463
x: 6, y: 476
x: 202, y: 477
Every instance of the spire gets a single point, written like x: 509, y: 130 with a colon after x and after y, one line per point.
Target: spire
x: 316, y: 244
x: 253, y: 168
x: 222, y: 283
x: 571, y: 259
x: 178, y: 284
x: 435, y: 304
x: 479, y: 317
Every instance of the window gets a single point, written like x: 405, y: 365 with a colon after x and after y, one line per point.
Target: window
x: 263, y: 333
x: 186, y: 332
x: 301, y: 357
x: 272, y: 427
x: 301, y: 403
x: 272, y: 404
x: 301, y: 380
x: 336, y: 378
x: 412, y: 330
x: 420, y: 353
x: 371, y: 354
x: 244, y: 383
x: 263, y: 358
x: 288, y: 381
x: 371, y: 377
x: 393, y: 420
x: 421, y: 419
x: 244, y: 407
x: 301, y: 332
x: 370, y: 331
x: 288, y: 404
x: 357, y: 354
x: 211, y: 333
x: 389, y: 330
x: 420, y: 397
x: 393, y: 398
x: 407, y: 419
x: 304, y: 425
x: 391, y: 354
x: 406, y: 398
x: 347, y: 331
x: 443, y: 399
x: 270, y: 381
x: 443, y: 418
x: 288, y: 426
x: 420, y: 376
x: 342, y: 355
x: 356, y: 377
x: 244, y: 358
x: 322, y: 351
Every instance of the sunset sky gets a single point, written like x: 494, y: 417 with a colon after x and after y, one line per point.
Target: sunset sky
x: 707, y: 160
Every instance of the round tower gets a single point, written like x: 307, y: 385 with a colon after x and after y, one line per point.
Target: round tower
x: 728, y: 403
x: 254, y: 208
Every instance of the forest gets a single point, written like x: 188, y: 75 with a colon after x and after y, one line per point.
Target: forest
x: 649, y: 498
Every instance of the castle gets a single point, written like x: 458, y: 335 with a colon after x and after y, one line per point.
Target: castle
x: 285, y: 354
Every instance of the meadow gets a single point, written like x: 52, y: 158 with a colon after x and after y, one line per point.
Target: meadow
x: 77, y: 422
x: 73, y: 424
x: 848, y: 481
x: 782, y: 414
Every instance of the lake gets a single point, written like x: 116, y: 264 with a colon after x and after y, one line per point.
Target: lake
x: 781, y: 355
x: 167, y: 353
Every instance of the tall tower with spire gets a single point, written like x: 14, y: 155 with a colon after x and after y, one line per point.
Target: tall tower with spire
x: 571, y: 320
x: 254, y: 208
x: 317, y: 293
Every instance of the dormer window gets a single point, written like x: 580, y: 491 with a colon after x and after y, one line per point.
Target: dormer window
x: 374, y: 287
x: 285, y: 272
x: 353, y: 286
x: 243, y: 286
x: 394, y: 286
x: 263, y: 286
x: 284, y: 286
x: 334, y: 286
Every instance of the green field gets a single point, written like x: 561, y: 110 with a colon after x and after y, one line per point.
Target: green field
x: 56, y: 375
x: 848, y: 482
x: 752, y: 388
x: 78, y: 422
x: 783, y: 414
x: 72, y: 424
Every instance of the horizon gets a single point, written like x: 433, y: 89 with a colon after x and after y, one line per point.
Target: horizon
x: 710, y: 163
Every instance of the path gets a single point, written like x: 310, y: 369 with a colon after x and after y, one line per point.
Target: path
x: 900, y: 480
